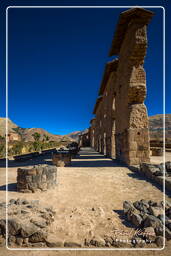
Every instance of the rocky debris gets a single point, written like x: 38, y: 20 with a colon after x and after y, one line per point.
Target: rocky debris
x: 148, y: 216
x: 159, y: 241
x: 38, y: 178
x: 96, y: 241
x: 136, y: 219
x: 156, y: 172
x: 53, y: 241
x: 28, y: 223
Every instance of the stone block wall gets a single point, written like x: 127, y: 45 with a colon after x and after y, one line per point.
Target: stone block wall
x: 121, y: 119
x: 84, y: 138
x: 132, y: 124
x: 92, y: 133
x: 156, y: 151
x: 62, y: 160
x: 157, y: 173
x: 39, y: 177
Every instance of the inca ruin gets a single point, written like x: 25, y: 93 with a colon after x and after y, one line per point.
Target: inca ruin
x: 106, y: 187
x: 120, y: 126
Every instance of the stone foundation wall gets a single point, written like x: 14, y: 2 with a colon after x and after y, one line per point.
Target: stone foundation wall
x: 40, y: 177
x: 156, y: 151
x: 61, y: 160
x: 156, y: 172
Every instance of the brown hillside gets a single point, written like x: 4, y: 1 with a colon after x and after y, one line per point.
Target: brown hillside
x: 28, y: 132
x: 11, y: 125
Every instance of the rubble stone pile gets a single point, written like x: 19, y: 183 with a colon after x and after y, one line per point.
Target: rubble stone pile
x: 27, y: 224
x: 148, y: 216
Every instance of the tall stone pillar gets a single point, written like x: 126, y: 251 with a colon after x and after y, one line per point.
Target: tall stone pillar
x: 130, y: 44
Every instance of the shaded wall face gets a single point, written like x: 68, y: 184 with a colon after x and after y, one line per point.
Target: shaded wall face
x: 104, y: 116
x: 110, y: 115
x: 98, y: 128
x: 104, y: 124
x: 92, y: 133
x: 132, y: 139
x: 84, y: 140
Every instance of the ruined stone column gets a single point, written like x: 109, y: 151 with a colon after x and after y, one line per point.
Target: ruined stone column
x: 104, y: 110
x: 92, y: 132
x: 98, y: 129
x: 113, y: 144
x: 130, y: 43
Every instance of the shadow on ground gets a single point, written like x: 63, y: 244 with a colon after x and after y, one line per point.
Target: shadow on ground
x: 12, y: 187
x: 124, y: 219
x: 137, y: 175
x: 94, y: 163
x: 37, y: 160
x: 86, y: 159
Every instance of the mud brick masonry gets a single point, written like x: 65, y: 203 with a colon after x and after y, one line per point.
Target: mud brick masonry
x: 120, y: 126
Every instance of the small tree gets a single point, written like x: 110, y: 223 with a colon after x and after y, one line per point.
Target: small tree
x: 36, y: 136
x: 37, y: 145
x: 2, y: 149
x: 46, y: 137
x: 17, y: 148
x: 2, y: 138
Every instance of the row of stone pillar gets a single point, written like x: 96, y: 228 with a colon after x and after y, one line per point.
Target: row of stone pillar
x: 120, y: 126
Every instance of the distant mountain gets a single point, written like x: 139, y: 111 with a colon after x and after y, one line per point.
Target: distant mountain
x: 156, y: 128
x: 75, y: 135
x: 26, y: 133
x: 11, y: 126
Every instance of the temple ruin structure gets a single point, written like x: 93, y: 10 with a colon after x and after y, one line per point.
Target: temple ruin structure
x: 119, y: 128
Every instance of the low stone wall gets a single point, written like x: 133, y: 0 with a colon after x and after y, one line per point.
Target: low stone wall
x: 148, y: 217
x: 40, y: 177
x: 156, y: 172
x: 156, y: 151
x: 61, y: 159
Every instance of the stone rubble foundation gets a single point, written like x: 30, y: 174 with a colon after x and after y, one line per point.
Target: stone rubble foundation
x: 39, y: 177
x: 156, y: 172
x: 27, y: 224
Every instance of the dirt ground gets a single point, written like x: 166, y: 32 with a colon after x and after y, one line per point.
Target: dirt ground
x: 88, y: 200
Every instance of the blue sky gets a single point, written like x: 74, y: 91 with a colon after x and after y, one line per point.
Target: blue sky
x: 57, y: 58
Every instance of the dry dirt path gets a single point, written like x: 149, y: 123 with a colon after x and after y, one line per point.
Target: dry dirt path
x: 88, y: 199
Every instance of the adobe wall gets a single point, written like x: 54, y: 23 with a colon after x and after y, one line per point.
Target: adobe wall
x: 120, y: 127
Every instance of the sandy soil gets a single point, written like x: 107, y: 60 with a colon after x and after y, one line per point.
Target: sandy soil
x: 159, y: 159
x: 88, y: 200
